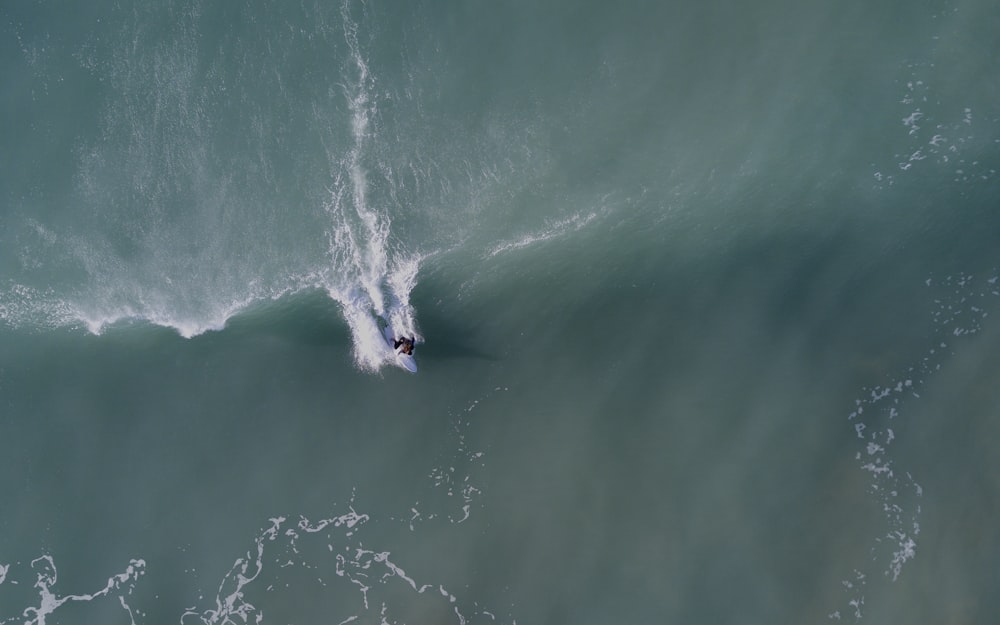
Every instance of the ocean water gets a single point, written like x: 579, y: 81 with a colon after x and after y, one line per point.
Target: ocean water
x: 707, y: 296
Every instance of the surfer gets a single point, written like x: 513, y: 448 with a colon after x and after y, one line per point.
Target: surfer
x: 404, y: 345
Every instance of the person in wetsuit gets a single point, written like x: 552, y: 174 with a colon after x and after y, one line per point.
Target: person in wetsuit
x: 405, y: 343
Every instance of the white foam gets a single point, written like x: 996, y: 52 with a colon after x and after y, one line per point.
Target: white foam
x: 857, y: 604
x: 23, y: 306
x: 548, y: 232
x: 911, y: 121
x: 401, y: 281
x: 907, y: 551
x: 49, y: 601
x: 898, y: 544
x: 349, y: 520
x: 372, y: 572
x: 368, y: 277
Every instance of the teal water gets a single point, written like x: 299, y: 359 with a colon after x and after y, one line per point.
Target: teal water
x: 706, y: 294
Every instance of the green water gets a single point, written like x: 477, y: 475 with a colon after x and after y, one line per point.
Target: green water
x: 706, y: 296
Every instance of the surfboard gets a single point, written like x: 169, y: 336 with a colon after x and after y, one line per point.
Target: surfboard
x: 406, y: 361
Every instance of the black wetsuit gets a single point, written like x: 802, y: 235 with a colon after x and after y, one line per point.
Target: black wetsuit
x: 406, y: 344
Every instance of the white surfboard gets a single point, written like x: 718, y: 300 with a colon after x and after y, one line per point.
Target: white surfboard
x: 405, y: 361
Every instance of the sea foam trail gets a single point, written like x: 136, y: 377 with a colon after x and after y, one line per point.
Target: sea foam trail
x: 370, y: 279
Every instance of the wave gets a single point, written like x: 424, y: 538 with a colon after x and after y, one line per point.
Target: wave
x: 175, y: 226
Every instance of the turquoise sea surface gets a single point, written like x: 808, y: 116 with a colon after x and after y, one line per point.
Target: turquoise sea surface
x: 706, y: 297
